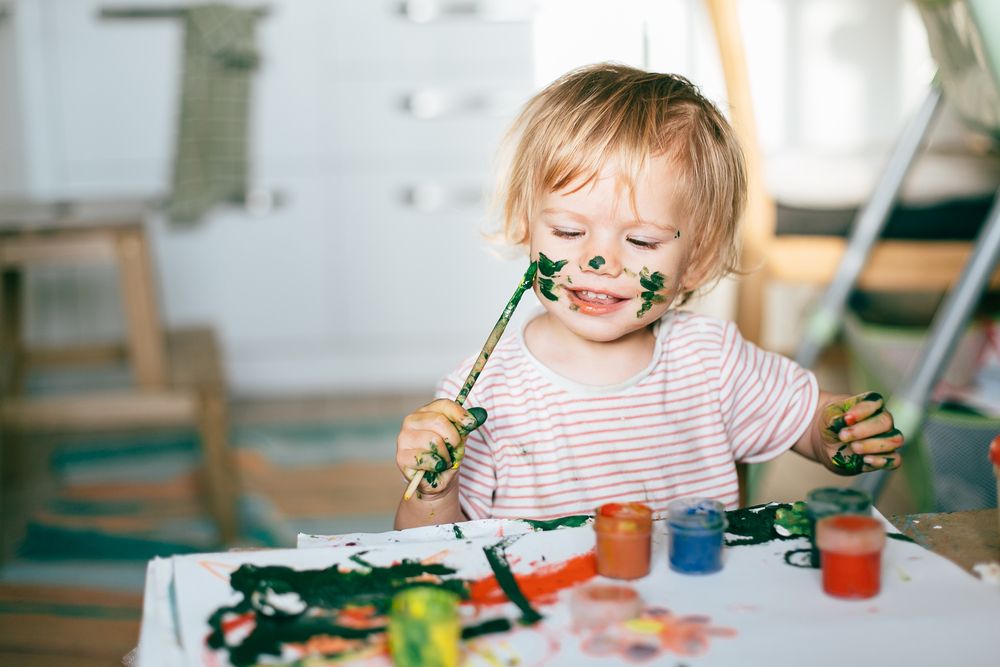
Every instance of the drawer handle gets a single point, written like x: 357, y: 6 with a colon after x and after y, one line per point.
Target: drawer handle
x: 429, y: 103
x: 438, y: 198
x: 428, y: 11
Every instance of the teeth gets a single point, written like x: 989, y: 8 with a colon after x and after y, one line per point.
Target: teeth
x: 594, y: 295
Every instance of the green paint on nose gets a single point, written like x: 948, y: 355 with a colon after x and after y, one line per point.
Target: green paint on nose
x: 596, y: 263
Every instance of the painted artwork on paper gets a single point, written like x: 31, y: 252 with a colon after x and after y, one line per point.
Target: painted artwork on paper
x: 518, y: 585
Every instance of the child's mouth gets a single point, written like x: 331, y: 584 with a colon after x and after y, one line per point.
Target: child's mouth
x: 594, y: 302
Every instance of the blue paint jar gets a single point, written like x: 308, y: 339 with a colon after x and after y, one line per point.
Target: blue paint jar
x: 695, y: 533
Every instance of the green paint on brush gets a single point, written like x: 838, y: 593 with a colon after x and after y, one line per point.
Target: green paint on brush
x: 497, y: 557
x: 652, y: 284
x: 572, y: 521
x: 596, y: 263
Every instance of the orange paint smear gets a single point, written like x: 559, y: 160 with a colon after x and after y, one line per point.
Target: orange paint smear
x: 540, y: 585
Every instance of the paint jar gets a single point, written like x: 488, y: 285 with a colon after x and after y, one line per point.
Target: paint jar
x: 624, y: 533
x: 831, y: 501
x: 995, y: 460
x: 598, y: 605
x: 851, y: 548
x: 424, y: 628
x: 695, y: 532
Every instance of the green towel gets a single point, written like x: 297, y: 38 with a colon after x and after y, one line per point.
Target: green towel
x: 220, y: 55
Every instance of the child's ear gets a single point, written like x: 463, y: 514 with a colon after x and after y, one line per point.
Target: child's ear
x: 696, y: 272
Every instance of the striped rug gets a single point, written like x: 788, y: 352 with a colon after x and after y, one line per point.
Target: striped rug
x: 72, y: 593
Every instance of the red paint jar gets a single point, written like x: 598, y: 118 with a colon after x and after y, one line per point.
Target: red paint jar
x: 851, y: 548
x: 623, y: 540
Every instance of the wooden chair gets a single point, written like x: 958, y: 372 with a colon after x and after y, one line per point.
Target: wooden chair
x: 177, y: 377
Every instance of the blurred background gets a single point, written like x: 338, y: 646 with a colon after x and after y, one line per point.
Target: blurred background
x: 239, y: 242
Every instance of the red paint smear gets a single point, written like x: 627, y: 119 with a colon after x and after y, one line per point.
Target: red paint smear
x: 540, y: 585
x: 231, y: 624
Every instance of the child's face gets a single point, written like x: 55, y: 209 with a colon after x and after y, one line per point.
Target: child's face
x: 605, y: 269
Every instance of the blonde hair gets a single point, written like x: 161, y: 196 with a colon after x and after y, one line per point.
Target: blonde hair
x: 612, y: 113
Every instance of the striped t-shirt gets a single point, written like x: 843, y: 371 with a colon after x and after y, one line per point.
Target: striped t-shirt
x: 553, y: 447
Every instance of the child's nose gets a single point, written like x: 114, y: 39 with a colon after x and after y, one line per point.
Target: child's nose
x: 602, y: 261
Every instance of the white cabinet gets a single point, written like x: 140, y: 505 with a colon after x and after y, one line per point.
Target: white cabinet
x: 377, y: 131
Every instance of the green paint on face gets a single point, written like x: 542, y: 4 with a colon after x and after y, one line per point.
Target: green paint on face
x: 596, y: 263
x: 652, y: 284
x: 547, y: 267
x: 677, y: 234
x: 549, y: 270
x: 629, y: 272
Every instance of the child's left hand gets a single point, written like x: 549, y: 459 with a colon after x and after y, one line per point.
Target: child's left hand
x: 858, y: 435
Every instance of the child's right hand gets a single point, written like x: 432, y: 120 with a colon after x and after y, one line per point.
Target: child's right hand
x: 432, y: 439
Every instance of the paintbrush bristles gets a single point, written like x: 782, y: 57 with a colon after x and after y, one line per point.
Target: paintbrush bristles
x: 491, y: 342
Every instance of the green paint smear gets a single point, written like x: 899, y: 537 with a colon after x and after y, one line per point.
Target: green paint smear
x: 794, y: 519
x: 545, y: 286
x: 652, y: 283
x: 497, y: 558
x: 325, y: 589
x: 486, y: 628
x: 547, y: 267
x: 572, y: 521
x: 549, y: 270
x: 458, y: 532
x: 755, y: 525
x: 596, y: 263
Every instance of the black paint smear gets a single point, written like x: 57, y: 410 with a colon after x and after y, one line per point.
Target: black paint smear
x: 325, y: 591
x: 486, y: 628
x: 901, y: 537
x: 801, y: 558
x: 754, y: 525
x: 505, y: 578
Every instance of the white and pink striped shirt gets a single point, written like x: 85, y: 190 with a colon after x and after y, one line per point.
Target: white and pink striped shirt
x: 553, y: 447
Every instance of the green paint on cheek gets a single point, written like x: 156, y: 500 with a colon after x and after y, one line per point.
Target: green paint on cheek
x: 549, y: 270
x: 629, y: 272
x: 596, y: 263
x: 546, y: 287
x: 547, y: 267
x: 652, y: 284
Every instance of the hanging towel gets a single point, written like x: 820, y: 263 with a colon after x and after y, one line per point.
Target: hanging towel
x: 220, y: 56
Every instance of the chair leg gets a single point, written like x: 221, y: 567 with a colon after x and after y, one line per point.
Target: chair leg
x: 220, y: 476
x: 11, y: 344
x: 145, y: 336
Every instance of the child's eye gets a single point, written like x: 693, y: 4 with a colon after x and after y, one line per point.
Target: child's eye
x: 566, y: 233
x: 644, y: 243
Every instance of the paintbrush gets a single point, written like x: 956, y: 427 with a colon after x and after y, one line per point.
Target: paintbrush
x: 477, y: 368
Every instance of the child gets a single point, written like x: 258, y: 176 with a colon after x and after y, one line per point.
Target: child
x: 626, y: 187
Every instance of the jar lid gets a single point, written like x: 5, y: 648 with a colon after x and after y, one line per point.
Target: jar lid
x: 696, y: 513
x: 597, y: 605
x: 828, y: 500
x: 850, y: 534
x: 624, y: 518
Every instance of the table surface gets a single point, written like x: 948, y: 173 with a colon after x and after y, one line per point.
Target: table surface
x: 965, y: 538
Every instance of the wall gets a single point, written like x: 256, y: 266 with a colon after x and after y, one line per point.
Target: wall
x: 370, y: 271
